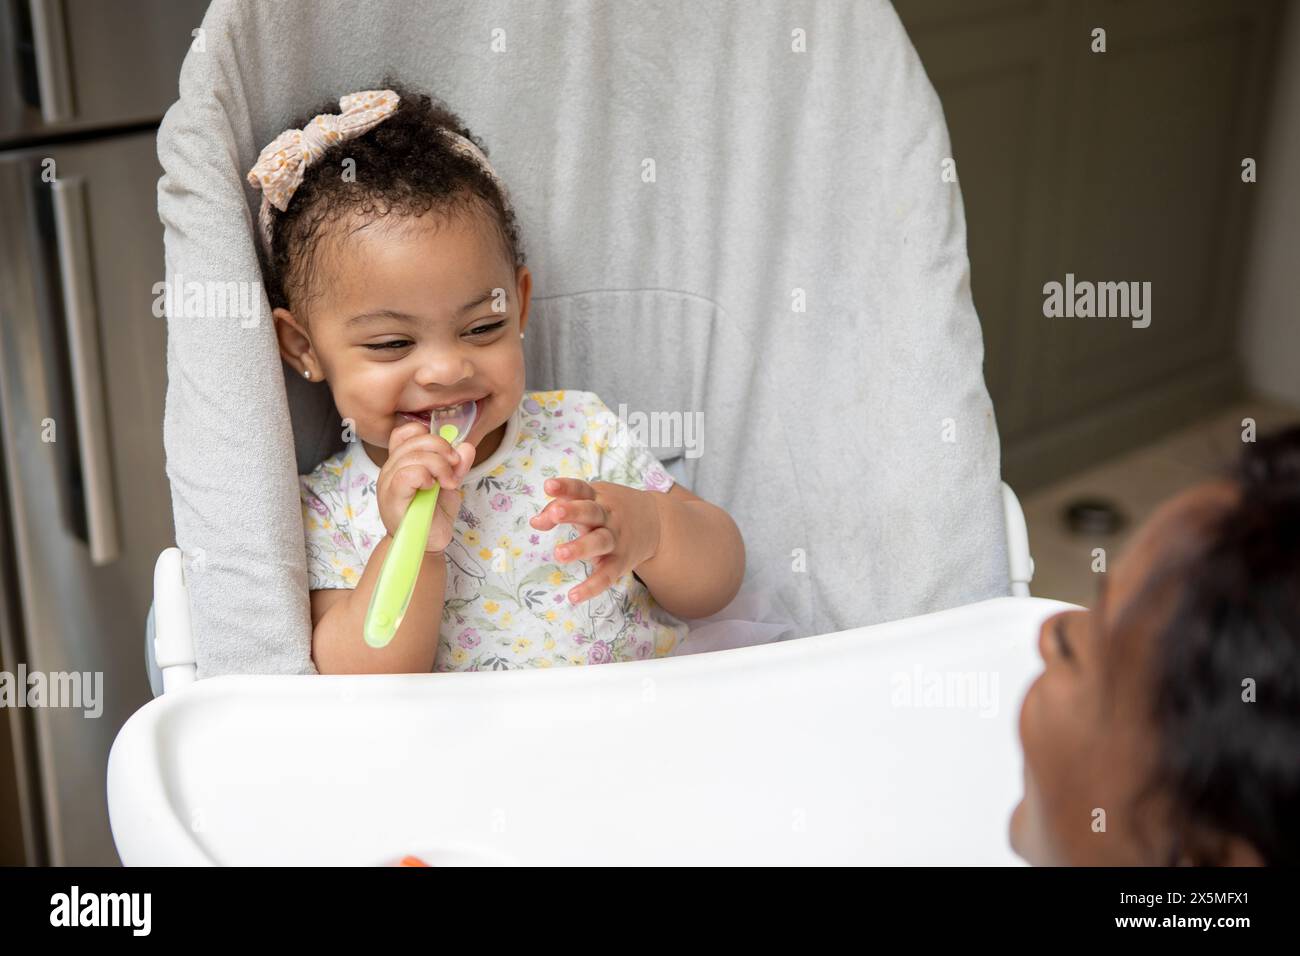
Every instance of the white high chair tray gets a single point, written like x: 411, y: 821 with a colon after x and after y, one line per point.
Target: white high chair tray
x: 891, y: 744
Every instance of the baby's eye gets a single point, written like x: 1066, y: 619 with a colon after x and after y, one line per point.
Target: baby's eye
x: 486, y: 329
x: 395, y: 344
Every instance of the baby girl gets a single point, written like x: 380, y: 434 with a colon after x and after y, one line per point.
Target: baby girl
x: 394, y: 268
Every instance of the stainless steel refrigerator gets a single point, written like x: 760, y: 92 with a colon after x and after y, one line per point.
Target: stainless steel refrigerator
x: 85, y: 506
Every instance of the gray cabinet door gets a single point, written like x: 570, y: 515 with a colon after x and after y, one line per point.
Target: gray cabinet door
x: 1115, y: 166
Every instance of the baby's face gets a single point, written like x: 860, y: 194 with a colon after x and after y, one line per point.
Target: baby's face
x: 411, y: 315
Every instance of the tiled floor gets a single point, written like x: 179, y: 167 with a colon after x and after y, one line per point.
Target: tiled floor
x: 1137, y: 482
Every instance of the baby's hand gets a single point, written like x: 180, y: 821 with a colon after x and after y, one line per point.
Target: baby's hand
x: 618, y: 527
x: 416, y: 459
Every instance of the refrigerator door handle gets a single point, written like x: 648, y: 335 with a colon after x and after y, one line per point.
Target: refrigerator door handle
x: 69, y: 194
x: 50, y: 38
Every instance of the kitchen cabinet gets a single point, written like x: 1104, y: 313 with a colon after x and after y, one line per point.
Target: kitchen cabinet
x: 1115, y: 166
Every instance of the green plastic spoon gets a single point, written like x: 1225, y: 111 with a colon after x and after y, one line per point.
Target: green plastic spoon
x: 401, y: 567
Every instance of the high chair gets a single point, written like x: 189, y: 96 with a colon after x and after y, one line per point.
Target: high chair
x: 731, y: 211
x: 891, y: 744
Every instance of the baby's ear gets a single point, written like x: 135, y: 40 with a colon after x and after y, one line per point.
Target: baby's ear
x: 285, y: 317
x: 295, y: 346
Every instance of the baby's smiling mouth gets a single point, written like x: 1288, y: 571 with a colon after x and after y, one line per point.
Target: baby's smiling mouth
x: 445, y: 410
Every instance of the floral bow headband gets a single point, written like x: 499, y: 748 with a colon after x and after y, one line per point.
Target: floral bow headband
x: 279, y: 169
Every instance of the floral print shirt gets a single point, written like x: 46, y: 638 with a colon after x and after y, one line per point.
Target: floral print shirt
x: 505, y: 604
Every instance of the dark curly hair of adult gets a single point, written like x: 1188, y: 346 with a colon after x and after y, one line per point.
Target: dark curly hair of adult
x: 1229, y: 764
x: 403, y: 167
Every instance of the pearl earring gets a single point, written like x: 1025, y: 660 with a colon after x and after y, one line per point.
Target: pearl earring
x: 521, y: 335
x: 306, y: 373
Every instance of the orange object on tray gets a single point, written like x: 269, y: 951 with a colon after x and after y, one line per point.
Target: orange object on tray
x: 412, y: 861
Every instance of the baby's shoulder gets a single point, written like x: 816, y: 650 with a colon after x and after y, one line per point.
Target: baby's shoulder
x: 326, y: 476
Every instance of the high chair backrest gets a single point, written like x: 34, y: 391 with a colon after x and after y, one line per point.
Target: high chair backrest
x: 738, y: 225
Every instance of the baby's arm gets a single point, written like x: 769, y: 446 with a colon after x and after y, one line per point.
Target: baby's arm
x: 416, y: 459
x: 338, y: 618
x: 700, y: 561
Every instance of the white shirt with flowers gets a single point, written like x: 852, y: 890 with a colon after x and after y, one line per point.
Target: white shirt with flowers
x: 505, y: 605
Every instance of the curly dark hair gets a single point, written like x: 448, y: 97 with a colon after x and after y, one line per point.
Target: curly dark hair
x: 404, y: 167
x: 1232, y: 766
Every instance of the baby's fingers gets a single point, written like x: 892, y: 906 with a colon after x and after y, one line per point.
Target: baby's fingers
x: 420, y: 469
x: 568, y: 488
x: 449, y: 503
x: 581, y: 512
x: 467, y: 454
x: 591, y: 545
x: 601, y: 578
x: 412, y: 477
x: 547, y: 518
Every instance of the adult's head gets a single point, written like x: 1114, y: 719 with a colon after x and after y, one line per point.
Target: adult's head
x: 1165, y: 728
